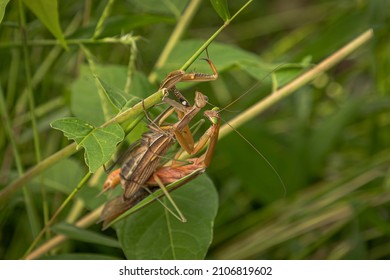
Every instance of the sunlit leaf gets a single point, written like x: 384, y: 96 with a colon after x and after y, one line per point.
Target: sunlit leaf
x: 99, y: 143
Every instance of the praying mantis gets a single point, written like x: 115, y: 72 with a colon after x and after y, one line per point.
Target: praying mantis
x: 142, y: 170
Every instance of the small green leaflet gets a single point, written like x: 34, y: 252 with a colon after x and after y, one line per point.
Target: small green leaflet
x: 114, y: 95
x: 99, y: 143
x: 221, y: 7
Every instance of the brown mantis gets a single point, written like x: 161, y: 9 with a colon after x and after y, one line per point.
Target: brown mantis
x: 141, y: 171
x: 141, y: 168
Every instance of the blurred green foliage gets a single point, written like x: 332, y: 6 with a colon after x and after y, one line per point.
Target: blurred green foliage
x: 329, y: 141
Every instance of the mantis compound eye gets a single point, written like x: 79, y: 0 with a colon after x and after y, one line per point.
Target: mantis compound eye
x: 184, y: 102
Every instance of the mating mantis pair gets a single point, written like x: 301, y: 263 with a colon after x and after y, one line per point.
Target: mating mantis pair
x: 142, y: 172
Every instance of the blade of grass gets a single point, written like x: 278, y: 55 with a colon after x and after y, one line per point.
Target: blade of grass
x: 105, y: 14
x: 32, y: 213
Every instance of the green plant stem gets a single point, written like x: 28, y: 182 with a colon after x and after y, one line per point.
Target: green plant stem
x: 55, y: 215
x: 175, y: 36
x: 36, y: 170
x: 208, y: 42
x: 8, y: 130
x: 105, y: 14
x: 47, y: 42
x: 32, y: 214
x: 131, y: 66
x: 44, y: 67
x: 100, y: 89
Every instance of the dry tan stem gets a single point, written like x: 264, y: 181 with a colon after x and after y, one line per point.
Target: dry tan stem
x: 305, y: 78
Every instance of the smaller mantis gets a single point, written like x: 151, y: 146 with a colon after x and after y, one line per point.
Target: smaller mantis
x: 178, y: 76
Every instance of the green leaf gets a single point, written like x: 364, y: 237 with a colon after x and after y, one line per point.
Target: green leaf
x: 47, y: 12
x: 114, y: 95
x: 153, y: 233
x: 221, y: 7
x: 84, y: 235
x: 3, y: 4
x: 99, y: 143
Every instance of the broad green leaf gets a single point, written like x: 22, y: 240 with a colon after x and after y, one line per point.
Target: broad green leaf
x: 84, y: 235
x: 3, y: 4
x: 221, y: 7
x: 153, y: 233
x: 99, y: 143
x: 47, y: 12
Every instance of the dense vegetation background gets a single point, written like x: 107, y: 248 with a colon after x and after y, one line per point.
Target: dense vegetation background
x: 328, y: 141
